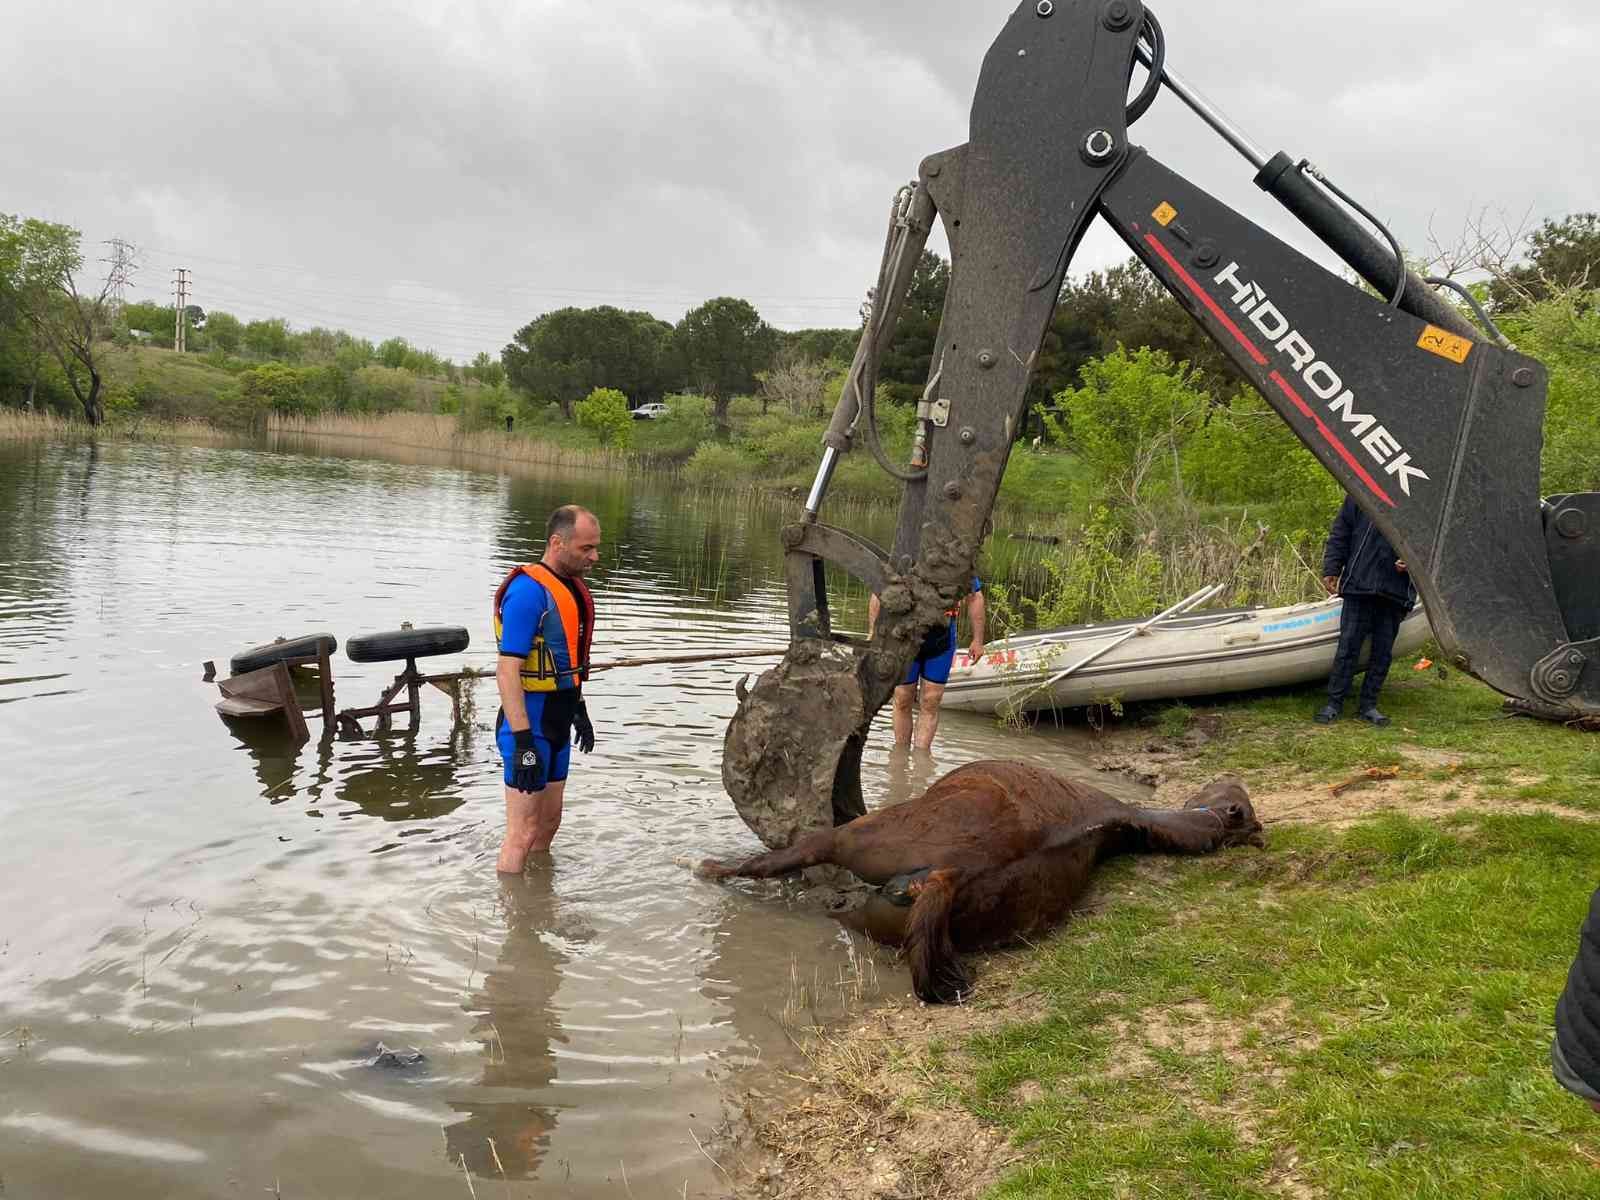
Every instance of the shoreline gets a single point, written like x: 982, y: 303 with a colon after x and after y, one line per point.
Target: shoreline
x: 1047, y: 1084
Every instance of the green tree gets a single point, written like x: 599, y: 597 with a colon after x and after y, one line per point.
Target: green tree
x: 908, y: 361
x: 269, y: 338
x: 564, y: 355
x: 23, y: 349
x: 43, y: 294
x: 392, y: 353
x: 605, y: 411
x: 1563, y: 255
x: 225, y: 332
x: 819, y: 345
x: 380, y: 389
x: 154, y: 319
x: 485, y: 370
x: 1563, y: 332
x: 280, y: 388
x: 1130, y: 419
x: 722, y: 345
x: 1125, y: 306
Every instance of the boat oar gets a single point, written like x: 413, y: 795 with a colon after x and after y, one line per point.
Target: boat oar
x: 1177, y: 609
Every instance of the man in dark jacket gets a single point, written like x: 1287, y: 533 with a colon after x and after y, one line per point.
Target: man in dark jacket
x: 1359, y: 564
x: 1575, y: 1053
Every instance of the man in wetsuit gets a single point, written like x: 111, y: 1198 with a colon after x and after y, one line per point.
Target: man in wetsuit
x: 930, y: 670
x: 544, y: 621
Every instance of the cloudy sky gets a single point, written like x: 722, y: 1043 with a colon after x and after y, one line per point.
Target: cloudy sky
x: 445, y: 171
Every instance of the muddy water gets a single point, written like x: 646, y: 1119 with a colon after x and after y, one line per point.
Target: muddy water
x: 206, y: 936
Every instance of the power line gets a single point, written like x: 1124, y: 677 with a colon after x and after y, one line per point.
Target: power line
x: 503, y: 286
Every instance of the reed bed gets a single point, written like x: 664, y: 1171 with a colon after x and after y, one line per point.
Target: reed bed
x: 441, y: 432
x: 17, y: 425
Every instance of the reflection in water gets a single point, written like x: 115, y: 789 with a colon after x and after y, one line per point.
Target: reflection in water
x: 273, y: 754
x: 256, y: 909
x: 516, y: 1021
x: 397, y: 781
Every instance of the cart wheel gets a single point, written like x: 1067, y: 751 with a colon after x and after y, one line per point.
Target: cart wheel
x: 257, y: 657
x: 399, y: 644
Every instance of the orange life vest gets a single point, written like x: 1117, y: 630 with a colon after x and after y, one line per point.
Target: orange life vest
x: 540, y: 670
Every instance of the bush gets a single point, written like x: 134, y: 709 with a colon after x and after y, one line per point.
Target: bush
x: 1246, y: 454
x: 280, y: 388
x: 488, y: 407
x: 783, y: 445
x: 717, y: 465
x: 1130, y: 419
x: 604, y: 412
x: 687, y: 424
x: 384, y: 389
x: 1563, y: 332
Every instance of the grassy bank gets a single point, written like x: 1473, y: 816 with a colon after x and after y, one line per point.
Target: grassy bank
x: 1361, y: 1010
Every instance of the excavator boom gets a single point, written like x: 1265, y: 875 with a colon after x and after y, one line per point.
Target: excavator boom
x: 1433, y: 425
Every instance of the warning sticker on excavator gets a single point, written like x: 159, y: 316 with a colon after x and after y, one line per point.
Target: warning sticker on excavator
x: 1445, y: 344
x: 1163, y: 214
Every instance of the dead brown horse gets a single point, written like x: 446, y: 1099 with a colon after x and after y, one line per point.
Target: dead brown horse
x: 993, y: 851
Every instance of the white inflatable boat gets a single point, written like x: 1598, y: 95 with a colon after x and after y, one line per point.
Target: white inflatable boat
x: 1193, y: 654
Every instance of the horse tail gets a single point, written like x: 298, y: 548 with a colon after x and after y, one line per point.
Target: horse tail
x: 936, y: 971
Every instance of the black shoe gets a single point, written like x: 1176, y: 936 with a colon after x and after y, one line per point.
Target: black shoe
x: 1373, y: 717
x: 1327, y: 714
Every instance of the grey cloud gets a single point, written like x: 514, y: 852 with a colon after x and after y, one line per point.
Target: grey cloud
x: 446, y: 171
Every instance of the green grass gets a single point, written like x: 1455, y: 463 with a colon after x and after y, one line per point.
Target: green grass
x: 1361, y: 1013
x: 1448, y: 712
x: 1365, y: 1014
x: 181, y: 386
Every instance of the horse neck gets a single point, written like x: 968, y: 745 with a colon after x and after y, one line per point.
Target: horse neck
x: 1174, y: 831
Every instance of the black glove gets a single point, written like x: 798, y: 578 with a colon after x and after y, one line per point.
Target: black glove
x: 585, y: 731
x: 527, y: 773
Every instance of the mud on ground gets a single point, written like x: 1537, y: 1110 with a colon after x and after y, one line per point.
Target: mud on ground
x: 865, y: 1119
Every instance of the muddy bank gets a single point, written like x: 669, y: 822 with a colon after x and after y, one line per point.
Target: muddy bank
x: 862, y: 1115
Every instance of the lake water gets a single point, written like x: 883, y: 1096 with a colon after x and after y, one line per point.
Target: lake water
x: 205, y: 935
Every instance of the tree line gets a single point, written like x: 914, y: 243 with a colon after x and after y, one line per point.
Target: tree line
x: 723, y: 348
x: 51, y: 329
x: 55, y: 329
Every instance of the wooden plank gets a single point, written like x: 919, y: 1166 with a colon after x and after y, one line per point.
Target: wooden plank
x: 261, y: 692
x: 239, y: 706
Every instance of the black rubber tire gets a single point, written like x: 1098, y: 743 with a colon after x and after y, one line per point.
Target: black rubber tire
x: 399, y: 644
x: 257, y: 657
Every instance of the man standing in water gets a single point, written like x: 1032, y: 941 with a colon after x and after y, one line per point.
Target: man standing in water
x: 922, y: 690
x: 544, y: 622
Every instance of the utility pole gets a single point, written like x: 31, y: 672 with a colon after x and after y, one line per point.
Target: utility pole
x: 178, y: 323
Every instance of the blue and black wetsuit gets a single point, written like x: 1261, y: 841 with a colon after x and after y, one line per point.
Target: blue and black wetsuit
x: 550, y: 631
x: 938, y: 652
